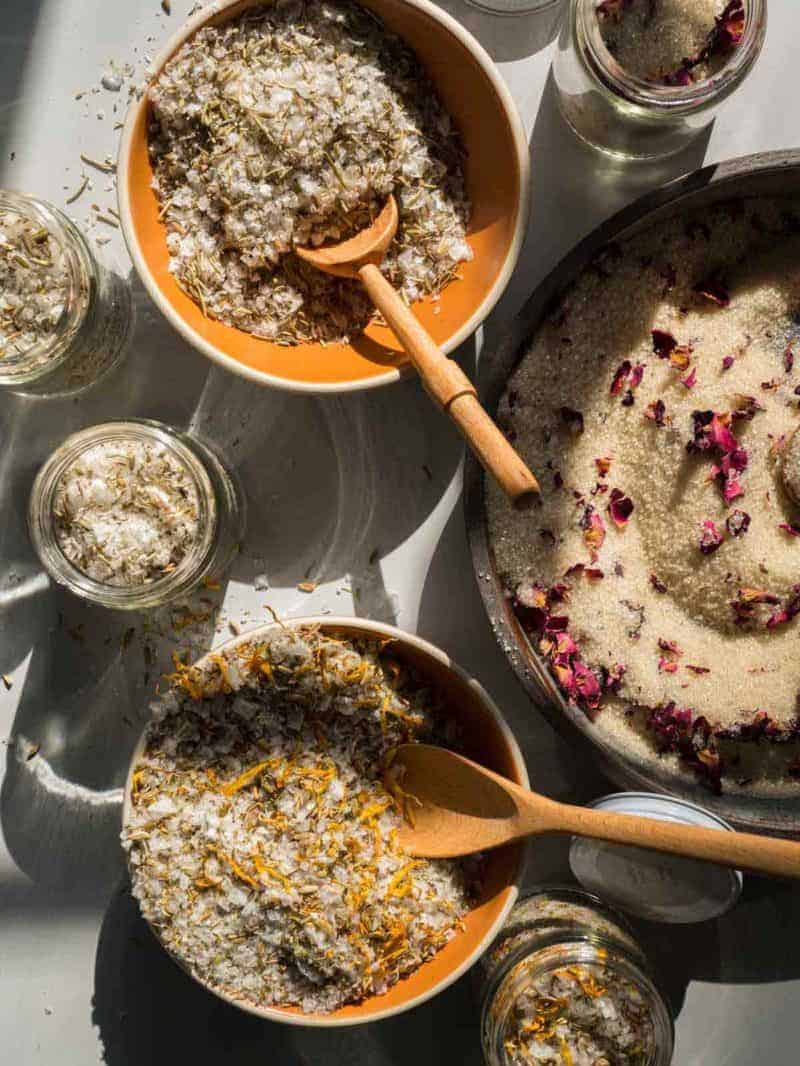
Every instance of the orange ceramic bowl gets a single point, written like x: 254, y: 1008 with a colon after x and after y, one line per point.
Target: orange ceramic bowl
x: 497, y: 176
x: 488, y: 740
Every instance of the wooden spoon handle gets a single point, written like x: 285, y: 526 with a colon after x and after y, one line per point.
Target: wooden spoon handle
x: 744, y: 851
x: 449, y: 385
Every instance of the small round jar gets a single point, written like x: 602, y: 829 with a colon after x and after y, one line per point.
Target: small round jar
x: 219, y: 525
x: 562, y: 936
x: 631, y: 117
x: 92, y: 310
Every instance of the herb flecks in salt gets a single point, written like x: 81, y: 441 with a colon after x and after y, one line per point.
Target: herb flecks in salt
x: 126, y: 513
x: 262, y: 840
x: 290, y: 126
x: 582, y: 1015
x: 35, y: 283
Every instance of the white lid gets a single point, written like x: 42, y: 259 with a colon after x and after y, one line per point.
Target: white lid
x: 662, y: 888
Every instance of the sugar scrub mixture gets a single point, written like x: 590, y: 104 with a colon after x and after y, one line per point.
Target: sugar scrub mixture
x: 35, y: 285
x: 287, y: 126
x: 580, y: 1015
x: 126, y: 512
x: 659, y: 578
x: 261, y: 838
x: 672, y: 42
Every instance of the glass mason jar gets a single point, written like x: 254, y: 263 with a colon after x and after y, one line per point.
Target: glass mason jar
x: 91, y: 306
x: 630, y: 117
x: 564, y: 937
x: 219, y: 525
x: 551, y: 9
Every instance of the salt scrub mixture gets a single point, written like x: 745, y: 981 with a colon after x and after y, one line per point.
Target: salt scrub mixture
x: 581, y: 1015
x: 126, y: 512
x: 290, y: 126
x: 660, y: 576
x: 35, y: 285
x: 672, y: 42
x: 262, y: 840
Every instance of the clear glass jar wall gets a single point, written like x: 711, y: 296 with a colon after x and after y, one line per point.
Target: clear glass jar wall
x: 64, y: 318
x: 628, y: 116
x: 220, y: 515
x: 558, y: 939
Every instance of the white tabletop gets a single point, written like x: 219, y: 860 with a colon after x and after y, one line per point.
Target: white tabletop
x: 359, y: 494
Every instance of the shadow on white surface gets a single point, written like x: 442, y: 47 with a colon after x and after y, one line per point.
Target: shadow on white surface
x: 147, y: 1010
x: 506, y: 37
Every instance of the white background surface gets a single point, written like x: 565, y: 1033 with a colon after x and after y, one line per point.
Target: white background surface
x: 361, y: 495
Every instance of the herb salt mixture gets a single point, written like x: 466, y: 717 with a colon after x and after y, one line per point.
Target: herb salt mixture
x: 35, y: 284
x: 660, y: 577
x: 262, y: 840
x: 579, y: 1015
x: 287, y: 126
x: 126, y: 512
x: 672, y: 42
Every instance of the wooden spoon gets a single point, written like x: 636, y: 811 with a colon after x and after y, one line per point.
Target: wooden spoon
x: 444, y: 379
x: 455, y: 807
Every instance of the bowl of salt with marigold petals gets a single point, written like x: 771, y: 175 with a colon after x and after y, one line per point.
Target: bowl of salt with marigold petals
x: 260, y: 823
x: 265, y: 128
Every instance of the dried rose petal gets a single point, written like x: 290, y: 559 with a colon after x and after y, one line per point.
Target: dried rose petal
x: 745, y: 407
x: 667, y: 666
x: 603, y: 465
x: 720, y: 435
x: 587, y: 685
x: 628, y: 399
x: 620, y: 507
x: 730, y: 25
x: 698, y: 670
x: 669, y: 646
x: 620, y: 377
x: 594, y: 531
x: 751, y: 595
x: 532, y: 596
x: 737, y: 523
x: 728, y: 362
x: 710, y: 538
x: 573, y: 419
x: 788, y: 360
x: 657, y: 583
x: 681, y: 357
x: 792, y: 528
x: 732, y: 489
x: 690, y: 380
x: 637, y: 374
x: 714, y: 290
x: 663, y: 343
x: 558, y: 481
x: 655, y: 412
x: 612, y: 679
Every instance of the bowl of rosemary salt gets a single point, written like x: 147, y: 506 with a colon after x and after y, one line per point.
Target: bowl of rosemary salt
x: 265, y: 128
x: 260, y: 823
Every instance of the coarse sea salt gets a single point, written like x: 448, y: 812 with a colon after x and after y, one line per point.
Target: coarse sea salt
x: 126, y: 512
x: 261, y: 837
x: 35, y: 283
x: 288, y: 126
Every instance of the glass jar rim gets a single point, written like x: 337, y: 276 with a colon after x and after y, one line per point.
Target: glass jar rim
x: 81, y: 265
x: 192, y: 567
x: 671, y: 99
x: 524, y: 965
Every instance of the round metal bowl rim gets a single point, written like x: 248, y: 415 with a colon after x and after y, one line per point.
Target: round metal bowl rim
x: 380, y: 629
x: 758, y: 813
x: 316, y: 388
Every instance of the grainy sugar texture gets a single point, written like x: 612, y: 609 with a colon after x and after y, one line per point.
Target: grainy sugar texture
x: 660, y: 578
x: 580, y: 1015
x: 672, y: 41
x: 35, y: 284
x: 126, y: 512
x: 290, y: 126
x: 262, y: 840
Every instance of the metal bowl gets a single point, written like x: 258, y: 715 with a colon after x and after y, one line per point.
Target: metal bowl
x: 773, y: 174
